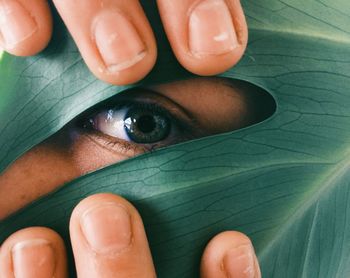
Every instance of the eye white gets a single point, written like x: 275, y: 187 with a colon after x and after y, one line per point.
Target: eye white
x: 111, y: 122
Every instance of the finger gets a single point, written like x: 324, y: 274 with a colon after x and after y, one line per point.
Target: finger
x: 208, y: 36
x: 25, y: 26
x: 109, y: 239
x: 33, y: 253
x: 113, y: 36
x: 230, y: 254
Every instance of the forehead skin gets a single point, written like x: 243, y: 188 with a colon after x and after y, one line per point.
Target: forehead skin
x: 217, y: 105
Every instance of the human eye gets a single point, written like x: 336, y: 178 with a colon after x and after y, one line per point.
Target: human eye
x: 138, y: 121
x: 131, y: 123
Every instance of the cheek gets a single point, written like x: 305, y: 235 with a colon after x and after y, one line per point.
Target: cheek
x: 88, y: 156
x: 48, y: 166
x: 35, y: 174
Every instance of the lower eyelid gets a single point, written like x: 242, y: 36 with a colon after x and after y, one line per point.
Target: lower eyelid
x: 184, y: 129
x: 129, y: 149
x: 113, y: 145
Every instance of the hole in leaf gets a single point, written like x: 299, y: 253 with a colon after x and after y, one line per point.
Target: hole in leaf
x: 131, y: 123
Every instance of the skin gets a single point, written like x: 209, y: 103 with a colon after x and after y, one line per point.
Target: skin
x: 40, y: 252
x: 63, y: 157
x: 81, y: 20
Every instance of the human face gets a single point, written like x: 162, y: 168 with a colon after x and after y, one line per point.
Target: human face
x: 184, y: 110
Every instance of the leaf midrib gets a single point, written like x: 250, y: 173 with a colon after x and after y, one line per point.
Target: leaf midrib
x: 326, y: 183
x: 311, y: 35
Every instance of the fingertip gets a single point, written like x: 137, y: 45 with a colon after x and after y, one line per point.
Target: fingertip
x: 121, y: 63
x: 230, y: 254
x: 114, y: 38
x: 101, y: 199
x: 208, y: 37
x: 33, y: 252
x: 106, y: 230
x: 26, y: 26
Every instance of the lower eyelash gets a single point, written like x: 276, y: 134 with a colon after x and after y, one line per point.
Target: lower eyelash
x: 124, y: 145
x: 186, y: 130
x: 115, y: 145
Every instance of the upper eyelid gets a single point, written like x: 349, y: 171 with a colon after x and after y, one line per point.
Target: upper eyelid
x: 185, y: 128
x: 183, y: 117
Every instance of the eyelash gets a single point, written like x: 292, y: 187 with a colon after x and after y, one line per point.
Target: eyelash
x: 186, y: 129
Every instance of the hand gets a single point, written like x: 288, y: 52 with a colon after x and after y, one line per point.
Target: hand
x: 118, y: 45
x: 116, y: 39
x: 109, y: 240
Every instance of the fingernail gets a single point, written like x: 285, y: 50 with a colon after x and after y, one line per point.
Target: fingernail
x: 107, y: 228
x: 240, y: 262
x: 118, y: 41
x: 211, y: 30
x: 33, y: 259
x: 16, y: 23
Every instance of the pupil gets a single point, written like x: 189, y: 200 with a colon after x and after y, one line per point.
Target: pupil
x: 146, y: 124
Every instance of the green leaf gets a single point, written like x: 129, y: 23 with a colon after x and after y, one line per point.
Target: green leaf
x: 284, y: 182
